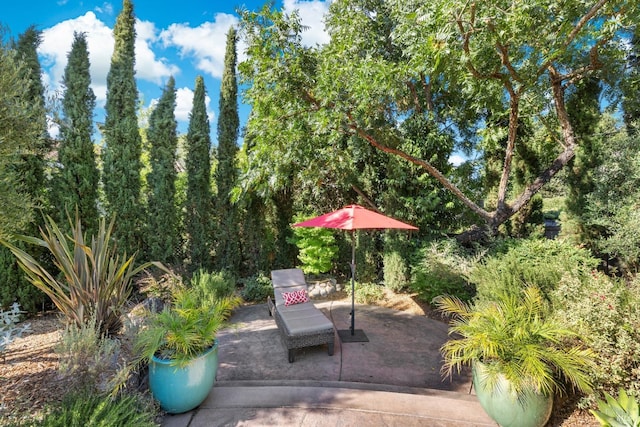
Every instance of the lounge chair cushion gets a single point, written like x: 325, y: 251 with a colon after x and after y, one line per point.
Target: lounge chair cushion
x: 302, y: 319
x: 295, y: 297
x: 288, y: 277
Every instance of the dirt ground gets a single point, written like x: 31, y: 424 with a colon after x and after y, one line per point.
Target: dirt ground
x: 29, y: 377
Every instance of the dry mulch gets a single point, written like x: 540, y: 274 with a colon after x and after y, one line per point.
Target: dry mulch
x: 29, y: 377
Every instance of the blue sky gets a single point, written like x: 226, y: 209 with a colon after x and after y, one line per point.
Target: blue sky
x: 180, y: 38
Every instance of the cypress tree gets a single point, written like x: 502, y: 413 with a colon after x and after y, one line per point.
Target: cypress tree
x: 28, y: 168
x: 583, y: 107
x: 77, y: 181
x: 227, y: 242
x: 631, y: 86
x: 31, y: 167
x: 198, y: 164
x: 122, y: 164
x: 161, y: 181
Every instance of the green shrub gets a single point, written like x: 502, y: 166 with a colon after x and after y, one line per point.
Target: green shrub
x: 606, y: 313
x: 82, y: 409
x: 317, y: 246
x: 395, y: 267
x: 440, y: 268
x: 213, y: 286
x: 87, y: 356
x: 366, y: 293
x: 540, y: 263
x: 256, y: 288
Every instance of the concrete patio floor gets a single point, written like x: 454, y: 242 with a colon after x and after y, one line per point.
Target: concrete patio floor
x: 394, y: 379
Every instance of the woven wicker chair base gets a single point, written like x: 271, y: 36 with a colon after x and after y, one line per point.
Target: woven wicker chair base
x: 293, y: 342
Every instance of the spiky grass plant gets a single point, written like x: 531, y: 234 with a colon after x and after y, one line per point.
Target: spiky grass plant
x: 92, y: 279
x: 515, y: 336
x: 86, y: 409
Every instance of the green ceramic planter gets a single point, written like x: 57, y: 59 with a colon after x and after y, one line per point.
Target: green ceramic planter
x: 181, y: 389
x: 502, y: 405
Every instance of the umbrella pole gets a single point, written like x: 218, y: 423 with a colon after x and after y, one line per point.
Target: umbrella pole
x: 353, y: 282
x: 351, y: 334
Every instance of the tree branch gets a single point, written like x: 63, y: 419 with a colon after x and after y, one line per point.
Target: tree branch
x: 488, y: 217
x: 574, y: 33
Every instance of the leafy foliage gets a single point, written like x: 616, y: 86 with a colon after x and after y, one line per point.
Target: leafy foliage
x: 82, y: 409
x: 535, y: 262
x: 396, y: 261
x: 480, y: 68
x: 611, y: 214
x: 87, y: 356
x: 187, y: 327
x: 606, y: 312
x: 18, y: 135
x: 318, y: 248
x: 212, y: 286
x: 93, y: 281
x: 366, y: 292
x: 441, y: 268
x: 620, y: 412
x: 257, y: 288
x: 515, y: 336
x: 9, y: 327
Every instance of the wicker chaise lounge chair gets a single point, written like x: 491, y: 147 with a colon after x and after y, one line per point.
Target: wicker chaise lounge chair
x: 300, y: 323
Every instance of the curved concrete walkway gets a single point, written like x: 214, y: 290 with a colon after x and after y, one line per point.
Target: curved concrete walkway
x: 392, y: 380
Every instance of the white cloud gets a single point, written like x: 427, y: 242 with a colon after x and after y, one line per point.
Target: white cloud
x: 457, y: 160
x: 56, y: 44
x: 311, y: 15
x: 57, y: 41
x: 184, y: 104
x: 206, y: 42
x: 106, y: 8
x: 148, y: 67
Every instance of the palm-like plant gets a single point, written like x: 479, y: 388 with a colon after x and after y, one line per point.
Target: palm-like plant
x: 515, y: 337
x: 185, y: 329
x: 92, y: 280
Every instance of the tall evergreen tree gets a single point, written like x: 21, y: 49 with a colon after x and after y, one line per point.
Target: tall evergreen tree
x: 583, y: 107
x: 77, y: 181
x: 122, y: 165
x: 198, y: 163
x: 631, y: 86
x: 161, y: 181
x: 227, y: 243
x: 31, y: 168
x: 19, y: 135
x: 28, y: 167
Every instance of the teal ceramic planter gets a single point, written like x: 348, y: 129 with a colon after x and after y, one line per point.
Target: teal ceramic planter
x: 181, y: 389
x: 502, y: 405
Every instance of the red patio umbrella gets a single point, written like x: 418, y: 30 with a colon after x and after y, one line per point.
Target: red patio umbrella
x: 354, y: 217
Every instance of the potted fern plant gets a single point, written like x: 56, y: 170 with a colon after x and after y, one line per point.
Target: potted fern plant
x: 180, y: 345
x: 519, y: 354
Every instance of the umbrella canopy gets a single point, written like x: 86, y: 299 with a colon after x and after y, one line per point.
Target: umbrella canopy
x: 351, y: 218
x: 354, y: 217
